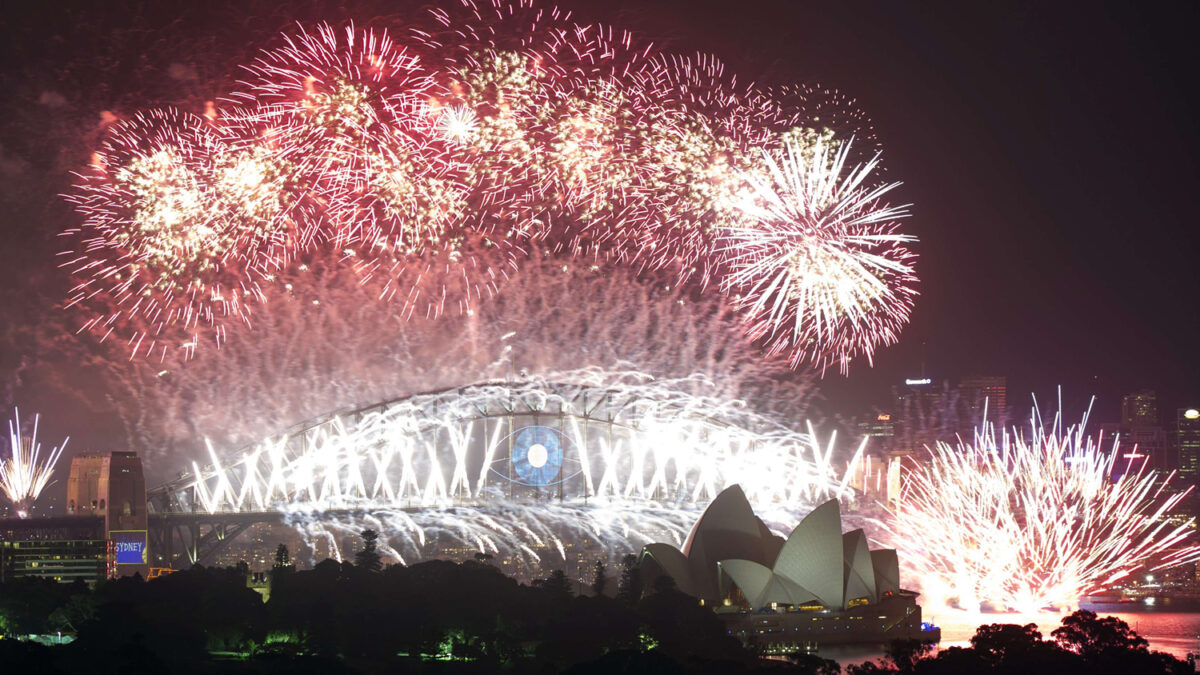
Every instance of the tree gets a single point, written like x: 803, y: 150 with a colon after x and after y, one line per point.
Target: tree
x: 282, y: 557
x: 557, y: 583
x: 629, y: 589
x: 813, y: 664
x: 368, y: 558
x: 905, y: 654
x: 1090, y: 636
x: 600, y: 581
x: 1108, y: 645
x: 997, y: 643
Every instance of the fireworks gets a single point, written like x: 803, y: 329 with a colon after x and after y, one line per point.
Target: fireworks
x: 435, y: 163
x: 820, y: 266
x: 636, y: 445
x: 25, y: 473
x: 1030, y: 523
x: 321, y: 341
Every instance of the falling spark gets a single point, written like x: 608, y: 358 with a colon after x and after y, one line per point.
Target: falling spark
x: 435, y: 164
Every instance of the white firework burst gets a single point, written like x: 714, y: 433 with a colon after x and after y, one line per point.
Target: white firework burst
x: 458, y: 123
x: 26, y: 472
x: 1027, y: 523
x: 816, y: 259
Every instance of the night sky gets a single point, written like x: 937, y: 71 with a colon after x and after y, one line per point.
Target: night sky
x: 1049, y: 152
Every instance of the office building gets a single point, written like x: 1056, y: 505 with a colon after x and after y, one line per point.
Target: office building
x: 990, y: 392
x: 1187, y: 443
x: 1139, y: 409
x: 85, y: 560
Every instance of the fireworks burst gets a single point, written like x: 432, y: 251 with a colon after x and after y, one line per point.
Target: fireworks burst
x: 322, y: 341
x: 171, y: 238
x: 434, y: 165
x: 820, y: 266
x: 647, y: 451
x: 1029, y: 523
x: 25, y: 473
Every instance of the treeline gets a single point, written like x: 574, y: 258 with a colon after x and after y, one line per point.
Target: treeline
x: 444, y: 617
x: 436, y: 616
x: 1084, y: 643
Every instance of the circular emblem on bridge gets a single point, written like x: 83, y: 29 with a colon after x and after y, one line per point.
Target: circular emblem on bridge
x: 537, y: 455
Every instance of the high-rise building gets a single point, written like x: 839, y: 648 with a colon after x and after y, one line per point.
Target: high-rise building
x: 1139, y: 409
x: 990, y: 391
x: 1141, y: 438
x: 878, y: 427
x: 112, y: 486
x: 925, y: 411
x: 1187, y: 443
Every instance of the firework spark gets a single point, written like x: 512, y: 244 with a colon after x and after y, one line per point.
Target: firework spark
x: 623, y: 439
x: 25, y: 473
x: 321, y: 341
x: 175, y: 226
x: 434, y: 165
x: 820, y: 266
x: 1026, y: 523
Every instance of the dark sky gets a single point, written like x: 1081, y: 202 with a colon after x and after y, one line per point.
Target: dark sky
x: 1049, y: 149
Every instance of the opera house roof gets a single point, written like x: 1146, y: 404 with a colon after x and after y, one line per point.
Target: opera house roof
x: 730, y: 548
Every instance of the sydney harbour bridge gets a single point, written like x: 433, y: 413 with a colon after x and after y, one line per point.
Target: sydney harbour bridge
x: 502, y: 467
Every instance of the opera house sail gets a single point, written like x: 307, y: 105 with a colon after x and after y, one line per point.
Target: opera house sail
x: 818, y: 587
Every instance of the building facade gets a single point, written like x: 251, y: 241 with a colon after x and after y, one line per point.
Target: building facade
x: 65, y: 561
x: 113, y: 487
x: 1187, y: 443
x: 988, y: 393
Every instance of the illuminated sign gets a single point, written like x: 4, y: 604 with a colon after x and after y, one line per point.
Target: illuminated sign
x: 914, y: 382
x: 883, y: 418
x: 1192, y: 414
x: 130, y: 546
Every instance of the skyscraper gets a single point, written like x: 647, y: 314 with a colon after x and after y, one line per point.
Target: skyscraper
x: 1140, y: 433
x: 990, y: 390
x: 1139, y: 409
x: 1187, y: 442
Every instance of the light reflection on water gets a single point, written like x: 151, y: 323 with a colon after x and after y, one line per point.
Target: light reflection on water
x: 1176, y: 633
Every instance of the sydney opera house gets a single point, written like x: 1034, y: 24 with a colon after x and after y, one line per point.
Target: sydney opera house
x: 819, y: 587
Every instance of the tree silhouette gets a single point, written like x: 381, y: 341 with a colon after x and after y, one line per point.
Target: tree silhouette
x: 368, y: 558
x: 557, y: 583
x: 1091, y: 636
x: 282, y: 557
x: 629, y: 589
x: 600, y: 581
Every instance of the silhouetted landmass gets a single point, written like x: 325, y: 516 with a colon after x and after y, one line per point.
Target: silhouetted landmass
x: 444, y: 617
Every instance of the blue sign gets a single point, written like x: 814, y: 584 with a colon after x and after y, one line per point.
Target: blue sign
x: 537, y: 455
x: 130, y: 546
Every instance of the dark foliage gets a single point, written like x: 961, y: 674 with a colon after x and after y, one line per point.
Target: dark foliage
x: 629, y: 589
x: 1084, y: 644
x: 599, y: 580
x: 368, y: 558
x: 444, y: 617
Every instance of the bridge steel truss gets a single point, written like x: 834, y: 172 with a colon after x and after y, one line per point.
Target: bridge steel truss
x: 201, y: 511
